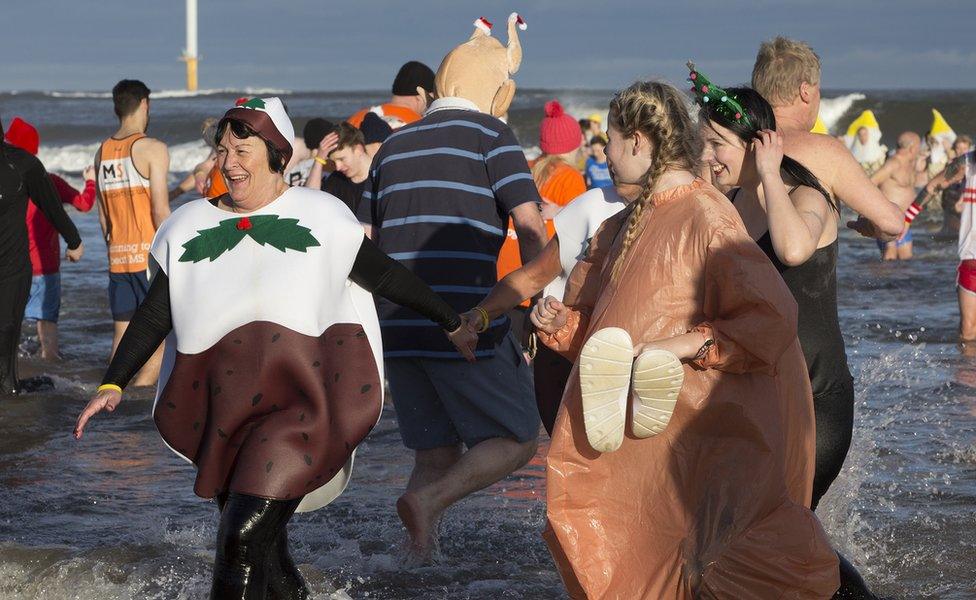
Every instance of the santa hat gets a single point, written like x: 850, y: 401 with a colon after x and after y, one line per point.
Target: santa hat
x: 23, y: 135
x: 559, y: 133
x: 268, y: 119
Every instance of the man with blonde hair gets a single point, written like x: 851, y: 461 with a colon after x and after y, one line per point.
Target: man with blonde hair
x: 787, y: 74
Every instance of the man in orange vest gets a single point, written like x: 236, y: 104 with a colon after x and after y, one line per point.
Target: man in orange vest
x: 133, y: 200
x: 412, y: 91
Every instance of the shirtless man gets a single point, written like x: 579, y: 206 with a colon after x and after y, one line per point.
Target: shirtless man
x: 133, y: 201
x: 787, y: 74
x: 897, y: 182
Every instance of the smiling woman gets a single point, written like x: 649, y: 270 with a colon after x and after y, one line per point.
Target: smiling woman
x: 269, y: 395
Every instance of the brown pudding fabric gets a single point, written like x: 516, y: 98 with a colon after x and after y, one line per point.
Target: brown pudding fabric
x: 270, y: 412
x: 716, y: 505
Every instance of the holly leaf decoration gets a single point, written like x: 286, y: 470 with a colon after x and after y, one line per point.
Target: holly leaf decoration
x: 254, y: 103
x: 271, y: 230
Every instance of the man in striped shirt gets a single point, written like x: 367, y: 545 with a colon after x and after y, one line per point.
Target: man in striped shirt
x: 439, y: 196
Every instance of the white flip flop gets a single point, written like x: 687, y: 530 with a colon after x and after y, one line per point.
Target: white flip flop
x: 606, y: 361
x: 658, y: 376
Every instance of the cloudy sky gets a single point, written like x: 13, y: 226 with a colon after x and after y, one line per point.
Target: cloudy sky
x: 358, y: 44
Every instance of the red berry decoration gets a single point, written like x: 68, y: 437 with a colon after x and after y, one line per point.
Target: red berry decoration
x: 704, y: 89
x: 738, y: 116
x: 241, y: 101
x: 243, y: 224
x: 694, y: 76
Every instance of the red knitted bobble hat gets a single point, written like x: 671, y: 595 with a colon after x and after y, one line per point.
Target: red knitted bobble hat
x: 558, y: 133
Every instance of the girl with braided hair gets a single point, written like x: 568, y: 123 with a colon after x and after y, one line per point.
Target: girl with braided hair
x: 701, y: 489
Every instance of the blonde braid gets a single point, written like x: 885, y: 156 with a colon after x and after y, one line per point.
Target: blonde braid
x: 660, y: 113
x: 631, y: 233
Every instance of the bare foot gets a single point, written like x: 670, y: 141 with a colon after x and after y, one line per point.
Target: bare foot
x: 419, y: 527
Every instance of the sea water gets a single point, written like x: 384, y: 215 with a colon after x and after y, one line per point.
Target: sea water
x: 113, y: 516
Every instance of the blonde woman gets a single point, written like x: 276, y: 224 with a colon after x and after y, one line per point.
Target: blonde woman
x: 704, y: 495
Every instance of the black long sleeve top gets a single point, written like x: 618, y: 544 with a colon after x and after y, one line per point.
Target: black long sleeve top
x: 22, y: 179
x: 373, y: 270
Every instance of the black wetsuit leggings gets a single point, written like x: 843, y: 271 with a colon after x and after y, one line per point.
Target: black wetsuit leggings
x: 13, y: 299
x: 834, y: 412
x: 252, y: 560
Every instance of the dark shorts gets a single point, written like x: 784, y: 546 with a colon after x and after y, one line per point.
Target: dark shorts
x: 44, y: 302
x: 126, y: 291
x: 441, y: 403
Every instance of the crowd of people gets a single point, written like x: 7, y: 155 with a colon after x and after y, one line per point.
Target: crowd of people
x: 659, y: 294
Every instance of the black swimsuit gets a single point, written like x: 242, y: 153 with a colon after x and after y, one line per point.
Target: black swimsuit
x: 814, y: 286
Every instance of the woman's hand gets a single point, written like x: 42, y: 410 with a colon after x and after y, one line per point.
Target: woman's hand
x: 768, y: 147
x: 464, y: 339
x: 684, y: 346
x: 105, y: 400
x: 549, y: 315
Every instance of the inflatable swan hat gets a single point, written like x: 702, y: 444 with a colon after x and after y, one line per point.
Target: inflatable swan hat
x: 479, y: 70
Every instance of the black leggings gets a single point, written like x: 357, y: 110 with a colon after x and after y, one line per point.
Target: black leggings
x: 252, y: 560
x: 834, y: 412
x: 13, y: 299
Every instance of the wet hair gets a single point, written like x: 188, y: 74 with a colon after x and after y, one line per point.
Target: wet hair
x: 349, y: 136
x: 782, y: 66
x: 761, y: 116
x: 241, y: 130
x: 208, y: 129
x: 660, y: 113
x: 126, y: 96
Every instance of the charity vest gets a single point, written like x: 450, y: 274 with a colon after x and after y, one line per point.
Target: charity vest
x: 126, y: 202
x: 967, y: 223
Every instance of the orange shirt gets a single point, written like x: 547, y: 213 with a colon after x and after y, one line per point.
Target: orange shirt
x: 397, y: 116
x: 125, y: 197
x: 216, y: 184
x: 563, y: 185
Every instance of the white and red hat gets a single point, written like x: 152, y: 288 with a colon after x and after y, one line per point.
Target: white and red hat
x: 267, y: 117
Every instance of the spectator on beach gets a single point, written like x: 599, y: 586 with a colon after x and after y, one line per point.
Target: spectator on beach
x: 131, y: 170
x: 413, y: 89
x: 44, y: 302
x: 558, y: 183
x: 352, y: 150
x: 597, y: 172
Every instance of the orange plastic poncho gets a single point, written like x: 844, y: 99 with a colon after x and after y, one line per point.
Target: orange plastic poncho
x: 716, y: 505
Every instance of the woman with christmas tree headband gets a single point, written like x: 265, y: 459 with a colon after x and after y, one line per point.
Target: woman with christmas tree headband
x: 273, y: 373
x: 795, y: 221
x: 699, y: 489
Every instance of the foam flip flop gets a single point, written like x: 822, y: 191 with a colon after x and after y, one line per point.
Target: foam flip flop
x: 658, y: 376
x: 606, y: 361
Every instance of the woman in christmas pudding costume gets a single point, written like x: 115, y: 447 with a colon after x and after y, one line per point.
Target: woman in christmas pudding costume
x: 711, y: 501
x: 274, y: 373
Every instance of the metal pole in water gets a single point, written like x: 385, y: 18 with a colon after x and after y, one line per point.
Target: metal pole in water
x: 190, y: 54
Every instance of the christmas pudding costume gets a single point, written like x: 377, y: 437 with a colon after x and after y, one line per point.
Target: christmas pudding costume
x: 273, y: 371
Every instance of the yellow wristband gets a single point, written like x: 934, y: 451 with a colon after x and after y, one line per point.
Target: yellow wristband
x: 109, y: 386
x: 321, y: 161
x: 484, y: 315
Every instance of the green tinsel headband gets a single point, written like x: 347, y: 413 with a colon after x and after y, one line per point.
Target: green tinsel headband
x: 707, y: 92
